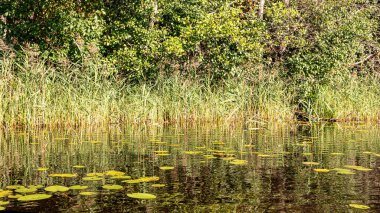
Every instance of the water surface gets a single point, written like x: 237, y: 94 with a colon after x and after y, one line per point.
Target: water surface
x: 264, y: 169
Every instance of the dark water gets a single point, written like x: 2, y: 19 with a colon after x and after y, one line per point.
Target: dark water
x: 272, y: 179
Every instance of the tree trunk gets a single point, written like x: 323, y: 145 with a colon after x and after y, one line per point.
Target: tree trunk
x: 261, y: 9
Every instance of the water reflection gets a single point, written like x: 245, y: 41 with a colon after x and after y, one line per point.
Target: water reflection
x: 273, y: 177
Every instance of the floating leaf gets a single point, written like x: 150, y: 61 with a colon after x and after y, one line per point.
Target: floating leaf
x: 192, y: 152
x: 359, y: 206
x: 26, y: 190
x: 56, y: 188
x: 78, y: 187
x: 92, y: 178
x: 5, y: 193
x: 112, y: 187
x: 239, y: 162
x: 34, y: 197
x: 41, y: 169
x: 158, y: 185
x: 3, y: 203
x: 163, y: 154
x: 88, y: 193
x: 2, y: 208
x: 344, y: 171
x: 358, y: 168
x: 114, y: 173
x: 14, y: 196
x: 144, y: 196
x: 166, y: 167
x: 321, y: 170
x: 98, y: 174
x: 63, y: 175
x: 14, y: 187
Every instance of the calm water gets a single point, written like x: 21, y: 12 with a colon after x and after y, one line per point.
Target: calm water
x: 272, y: 178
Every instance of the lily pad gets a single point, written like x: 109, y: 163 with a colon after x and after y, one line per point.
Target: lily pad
x: 14, y: 196
x: 144, y: 196
x: 26, y: 190
x: 2, y: 208
x: 78, y: 187
x: 321, y: 170
x: 14, y: 187
x: 88, y: 193
x: 57, y: 188
x: 5, y: 193
x: 34, y: 197
x: 167, y: 167
x: 112, y: 187
x: 92, y: 178
x: 359, y: 206
x: 63, y: 175
x: 41, y: 169
x: 158, y: 185
x: 3, y: 203
x: 95, y: 174
x: 114, y: 173
x: 358, y: 168
x: 239, y: 162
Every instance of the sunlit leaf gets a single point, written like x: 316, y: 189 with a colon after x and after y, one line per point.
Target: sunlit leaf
x: 57, y: 188
x: 144, y: 196
x: 34, y: 197
x: 112, y: 187
x: 359, y: 206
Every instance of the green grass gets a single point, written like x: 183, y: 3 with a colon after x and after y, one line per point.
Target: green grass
x: 34, y: 94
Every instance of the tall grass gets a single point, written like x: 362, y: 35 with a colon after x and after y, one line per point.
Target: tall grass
x: 34, y: 94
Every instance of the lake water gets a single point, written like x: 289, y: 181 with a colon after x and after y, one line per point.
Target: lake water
x: 297, y: 168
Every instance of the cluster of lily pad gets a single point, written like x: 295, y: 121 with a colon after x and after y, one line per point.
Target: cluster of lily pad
x: 39, y: 192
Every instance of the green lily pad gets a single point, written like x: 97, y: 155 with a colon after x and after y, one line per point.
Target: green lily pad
x: 167, y: 167
x: 321, y: 170
x: 112, y: 187
x: 26, y: 190
x: 114, y: 173
x: 5, y: 193
x: 78, y: 187
x: 2, y: 208
x: 122, y: 177
x: 41, y: 169
x: 14, y: 196
x: 239, y: 162
x: 144, y: 196
x: 3, y: 203
x: 56, y: 188
x: 88, y: 193
x: 34, y: 197
x: 63, y: 175
x: 14, y: 187
x: 158, y: 185
x: 359, y: 206
x: 358, y: 168
x: 95, y: 174
x: 92, y: 178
